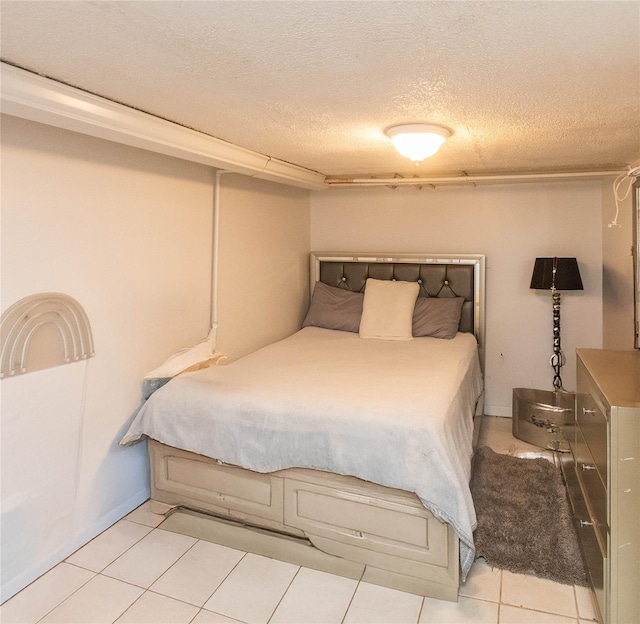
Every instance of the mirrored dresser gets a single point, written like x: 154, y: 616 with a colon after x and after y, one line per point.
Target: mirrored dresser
x: 602, y: 472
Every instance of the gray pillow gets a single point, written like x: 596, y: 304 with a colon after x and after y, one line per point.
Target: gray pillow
x: 438, y: 318
x: 334, y: 308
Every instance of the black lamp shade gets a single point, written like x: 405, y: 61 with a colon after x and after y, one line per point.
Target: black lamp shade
x: 567, y: 274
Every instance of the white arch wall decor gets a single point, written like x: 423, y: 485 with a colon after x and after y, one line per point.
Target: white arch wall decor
x: 36, y: 316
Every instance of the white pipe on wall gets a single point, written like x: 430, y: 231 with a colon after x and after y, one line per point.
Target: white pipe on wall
x: 215, y: 229
x: 467, y: 179
x: 204, y: 353
x: 30, y: 96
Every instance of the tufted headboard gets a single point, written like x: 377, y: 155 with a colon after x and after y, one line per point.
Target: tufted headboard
x: 443, y: 275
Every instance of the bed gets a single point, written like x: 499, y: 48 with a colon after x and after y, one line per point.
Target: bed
x: 330, y: 449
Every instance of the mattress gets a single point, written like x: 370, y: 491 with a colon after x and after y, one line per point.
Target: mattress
x: 396, y: 413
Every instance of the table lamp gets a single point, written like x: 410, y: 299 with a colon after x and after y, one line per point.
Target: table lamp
x: 556, y: 274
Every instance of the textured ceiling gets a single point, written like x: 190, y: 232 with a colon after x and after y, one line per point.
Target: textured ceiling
x: 524, y: 86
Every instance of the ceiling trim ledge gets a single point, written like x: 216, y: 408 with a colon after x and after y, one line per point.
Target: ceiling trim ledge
x: 472, y: 180
x: 36, y: 98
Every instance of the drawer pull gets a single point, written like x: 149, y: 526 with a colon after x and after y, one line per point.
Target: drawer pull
x: 588, y: 467
x: 585, y: 523
x: 586, y: 411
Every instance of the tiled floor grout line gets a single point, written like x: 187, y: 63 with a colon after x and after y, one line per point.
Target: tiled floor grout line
x: 114, y: 560
x: 512, y: 449
x: 201, y: 608
x: 284, y: 594
x: 118, y: 557
x: 355, y: 591
x: 150, y: 591
x: 223, y: 580
x: 129, y: 606
x: 422, y: 609
x: 499, y: 598
x: 128, y: 519
x: 72, y: 593
x: 169, y: 568
x: 575, y: 598
x: 146, y: 589
x: 198, y: 612
x: 231, y: 619
x: 155, y: 579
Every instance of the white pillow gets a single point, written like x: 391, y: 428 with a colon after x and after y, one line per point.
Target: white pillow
x: 387, y: 309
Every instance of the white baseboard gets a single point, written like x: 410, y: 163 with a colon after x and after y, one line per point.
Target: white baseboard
x: 497, y: 410
x: 14, y: 585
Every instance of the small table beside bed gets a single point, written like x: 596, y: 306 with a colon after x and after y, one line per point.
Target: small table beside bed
x: 347, y: 446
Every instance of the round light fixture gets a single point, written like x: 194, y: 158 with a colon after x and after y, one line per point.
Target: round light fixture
x: 417, y: 141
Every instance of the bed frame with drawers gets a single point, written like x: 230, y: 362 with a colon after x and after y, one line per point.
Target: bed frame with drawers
x: 321, y: 520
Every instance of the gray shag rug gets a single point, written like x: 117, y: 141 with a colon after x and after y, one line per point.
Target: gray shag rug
x: 524, y: 519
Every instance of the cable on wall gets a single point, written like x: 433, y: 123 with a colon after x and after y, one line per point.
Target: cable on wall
x: 628, y: 178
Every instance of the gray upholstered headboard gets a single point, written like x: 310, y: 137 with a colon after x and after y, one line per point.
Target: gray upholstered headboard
x: 443, y: 275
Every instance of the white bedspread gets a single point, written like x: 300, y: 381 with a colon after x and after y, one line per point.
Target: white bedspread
x: 397, y: 413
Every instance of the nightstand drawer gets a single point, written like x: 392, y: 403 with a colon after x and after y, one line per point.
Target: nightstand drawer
x: 592, y: 423
x: 595, y: 494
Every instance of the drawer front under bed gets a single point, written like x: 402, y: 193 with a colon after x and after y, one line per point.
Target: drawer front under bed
x: 397, y: 528
x: 217, y: 488
x: 343, y: 510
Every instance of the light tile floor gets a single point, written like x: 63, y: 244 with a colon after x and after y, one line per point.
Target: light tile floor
x: 138, y: 573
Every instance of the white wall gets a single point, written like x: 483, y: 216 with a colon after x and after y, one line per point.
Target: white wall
x: 617, y: 271
x: 128, y: 234
x: 512, y: 225
x: 264, y: 263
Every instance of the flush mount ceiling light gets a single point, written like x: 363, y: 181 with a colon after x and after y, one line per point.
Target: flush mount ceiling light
x: 417, y: 141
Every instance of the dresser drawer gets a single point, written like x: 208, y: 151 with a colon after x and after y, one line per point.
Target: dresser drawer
x: 592, y: 423
x: 590, y: 545
x: 594, y: 492
x: 608, y: 418
x: 592, y: 554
